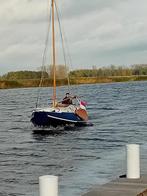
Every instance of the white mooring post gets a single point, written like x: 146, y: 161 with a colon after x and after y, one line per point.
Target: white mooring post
x: 48, y: 185
x: 133, y: 161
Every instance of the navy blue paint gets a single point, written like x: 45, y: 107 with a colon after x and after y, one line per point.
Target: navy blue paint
x: 42, y: 118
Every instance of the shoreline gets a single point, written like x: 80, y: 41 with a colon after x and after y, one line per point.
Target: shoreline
x: 28, y: 83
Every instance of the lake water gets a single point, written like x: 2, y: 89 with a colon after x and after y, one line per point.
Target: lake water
x: 81, y: 157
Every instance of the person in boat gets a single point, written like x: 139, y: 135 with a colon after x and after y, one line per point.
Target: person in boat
x: 68, y: 99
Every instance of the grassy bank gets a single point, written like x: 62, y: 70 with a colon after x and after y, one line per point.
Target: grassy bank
x: 6, y: 84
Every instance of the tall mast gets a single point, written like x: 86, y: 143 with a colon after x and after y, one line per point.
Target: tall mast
x: 54, y: 55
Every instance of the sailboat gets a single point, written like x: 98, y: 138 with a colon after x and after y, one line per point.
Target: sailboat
x: 59, y: 113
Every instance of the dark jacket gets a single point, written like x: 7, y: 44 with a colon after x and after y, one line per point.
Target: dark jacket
x: 67, y: 100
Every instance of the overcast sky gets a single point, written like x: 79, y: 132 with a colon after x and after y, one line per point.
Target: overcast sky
x: 99, y: 32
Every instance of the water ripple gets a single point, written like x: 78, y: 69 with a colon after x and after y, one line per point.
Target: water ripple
x: 118, y: 112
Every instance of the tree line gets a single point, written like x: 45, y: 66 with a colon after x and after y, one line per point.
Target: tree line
x: 111, y: 71
x: 44, y: 72
x: 62, y: 72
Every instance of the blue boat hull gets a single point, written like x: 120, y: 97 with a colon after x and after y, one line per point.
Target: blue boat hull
x: 46, y: 119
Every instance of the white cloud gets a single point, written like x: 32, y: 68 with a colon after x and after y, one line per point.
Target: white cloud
x: 15, y: 11
x: 120, y: 29
x: 99, y: 32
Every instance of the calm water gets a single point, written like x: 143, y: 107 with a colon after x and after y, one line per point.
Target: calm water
x: 81, y: 157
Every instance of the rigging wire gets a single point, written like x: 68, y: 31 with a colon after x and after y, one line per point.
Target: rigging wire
x: 44, y: 54
x: 62, y: 40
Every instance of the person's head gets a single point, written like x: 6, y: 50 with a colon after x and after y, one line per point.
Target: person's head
x: 67, y: 94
